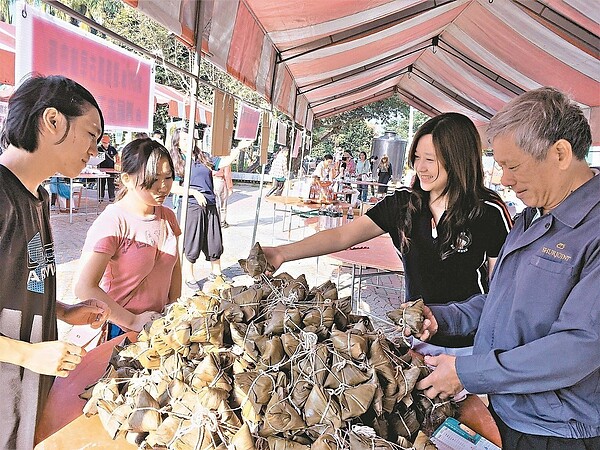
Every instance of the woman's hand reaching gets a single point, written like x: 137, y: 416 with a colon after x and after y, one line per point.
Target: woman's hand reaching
x: 274, y: 257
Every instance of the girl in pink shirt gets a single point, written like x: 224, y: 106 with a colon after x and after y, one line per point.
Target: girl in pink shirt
x: 130, y: 258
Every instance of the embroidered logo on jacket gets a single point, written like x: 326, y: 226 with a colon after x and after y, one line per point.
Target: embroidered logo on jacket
x: 555, y: 253
x: 40, y: 263
x: 462, y: 244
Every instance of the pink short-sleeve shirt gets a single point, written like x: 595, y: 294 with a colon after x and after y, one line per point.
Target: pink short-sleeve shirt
x: 143, y: 252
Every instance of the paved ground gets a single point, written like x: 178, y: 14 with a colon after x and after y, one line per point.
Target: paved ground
x: 69, y: 239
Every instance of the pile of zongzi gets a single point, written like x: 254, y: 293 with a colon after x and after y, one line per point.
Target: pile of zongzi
x: 275, y: 365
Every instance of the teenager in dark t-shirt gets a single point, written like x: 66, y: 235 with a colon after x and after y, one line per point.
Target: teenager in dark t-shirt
x: 53, y: 125
x: 448, y: 228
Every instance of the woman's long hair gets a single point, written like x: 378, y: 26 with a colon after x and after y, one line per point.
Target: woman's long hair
x: 384, y: 165
x: 198, y: 155
x: 458, y: 148
x: 176, y: 154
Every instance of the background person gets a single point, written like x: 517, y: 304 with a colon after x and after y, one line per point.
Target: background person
x: 324, y: 170
x: 448, y: 228
x: 223, y: 185
x: 363, y: 170
x: 384, y: 174
x: 373, y: 161
x: 279, y: 171
x: 536, y: 351
x: 349, y: 160
x: 157, y: 135
x: 59, y: 189
x: 53, y: 125
x: 203, y: 232
x: 110, y: 155
x: 130, y: 259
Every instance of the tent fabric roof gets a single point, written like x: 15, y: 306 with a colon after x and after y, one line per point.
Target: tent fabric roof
x: 314, y: 59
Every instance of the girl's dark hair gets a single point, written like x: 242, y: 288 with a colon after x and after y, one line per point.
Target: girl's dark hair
x: 140, y: 158
x: 458, y: 148
x: 33, y: 97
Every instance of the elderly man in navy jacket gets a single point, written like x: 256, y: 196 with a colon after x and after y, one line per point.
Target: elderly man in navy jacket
x: 537, y: 347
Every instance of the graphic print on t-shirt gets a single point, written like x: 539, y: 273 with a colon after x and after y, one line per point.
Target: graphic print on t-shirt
x: 40, y: 263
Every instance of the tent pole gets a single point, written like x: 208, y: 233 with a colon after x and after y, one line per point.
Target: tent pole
x: 262, y: 178
x: 258, y: 204
x: 191, y: 143
x: 291, y: 147
x: 302, y: 143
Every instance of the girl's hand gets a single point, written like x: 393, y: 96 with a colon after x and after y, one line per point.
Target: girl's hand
x: 89, y: 312
x: 200, y: 198
x: 142, y: 319
x: 54, y: 358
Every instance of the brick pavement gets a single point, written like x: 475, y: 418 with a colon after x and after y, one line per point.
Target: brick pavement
x: 69, y: 239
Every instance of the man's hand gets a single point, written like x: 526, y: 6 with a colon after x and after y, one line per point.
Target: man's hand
x: 89, y: 312
x: 274, y: 257
x: 55, y: 358
x: 443, y: 381
x: 430, y: 325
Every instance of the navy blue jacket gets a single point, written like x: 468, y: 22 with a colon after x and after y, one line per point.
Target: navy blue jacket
x: 537, y: 347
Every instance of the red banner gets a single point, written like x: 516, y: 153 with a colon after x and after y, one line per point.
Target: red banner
x: 281, y: 133
x: 297, y: 143
x: 120, y: 81
x: 247, y: 124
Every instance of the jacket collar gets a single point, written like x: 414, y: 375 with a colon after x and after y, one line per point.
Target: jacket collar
x: 577, y: 205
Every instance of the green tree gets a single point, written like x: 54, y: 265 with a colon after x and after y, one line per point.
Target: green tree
x: 352, y: 130
x: 5, y: 10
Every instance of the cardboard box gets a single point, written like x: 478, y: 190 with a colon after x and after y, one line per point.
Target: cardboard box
x: 453, y: 435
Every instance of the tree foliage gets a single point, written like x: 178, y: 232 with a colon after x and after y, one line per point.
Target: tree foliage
x: 5, y: 10
x: 354, y: 130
